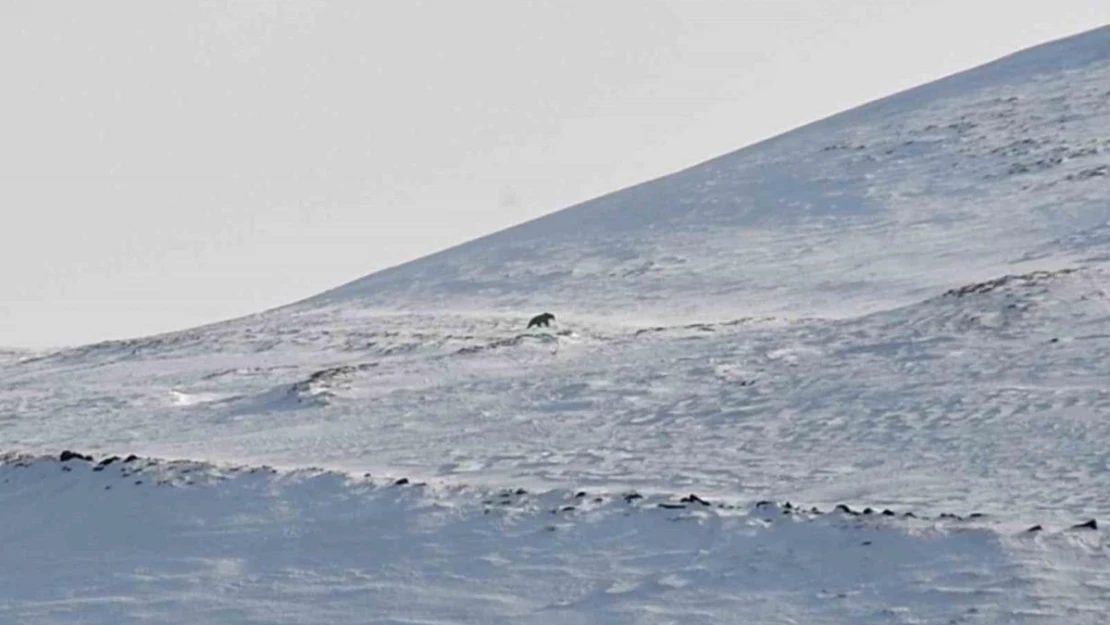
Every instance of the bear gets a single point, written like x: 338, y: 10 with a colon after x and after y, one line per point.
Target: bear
x: 544, y: 320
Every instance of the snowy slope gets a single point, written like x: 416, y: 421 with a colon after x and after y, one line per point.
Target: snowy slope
x: 903, y: 307
x: 974, y: 175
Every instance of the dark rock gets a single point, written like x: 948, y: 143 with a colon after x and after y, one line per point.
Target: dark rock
x: 976, y: 515
x: 865, y: 543
x: 760, y: 504
x: 98, y: 468
x: 1089, y: 525
x: 888, y: 512
x: 520, y: 491
x: 138, y: 482
x: 840, y: 507
x: 787, y: 506
x: 692, y: 498
x: 67, y: 469
x: 107, y: 461
x: 868, y: 511
x: 130, y: 458
x: 909, y: 515
x: 815, y: 510
x: 68, y: 455
x: 401, y: 482
x: 1035, y: 528
x: 630, y: 497
x: 672, y: 506
x: 568, y: 509
x: 580, y: 494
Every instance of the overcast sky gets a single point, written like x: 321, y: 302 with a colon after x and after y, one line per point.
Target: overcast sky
x: 167, y: 164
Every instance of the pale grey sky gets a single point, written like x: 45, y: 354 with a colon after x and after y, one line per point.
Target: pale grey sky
x: 167, y: 164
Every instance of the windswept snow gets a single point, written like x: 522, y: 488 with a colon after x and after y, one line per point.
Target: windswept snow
x: 188, y: 543
x: 902, y: 307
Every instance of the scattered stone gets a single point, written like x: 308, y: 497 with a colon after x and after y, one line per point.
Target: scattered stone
x: 787, y: 506
x: 68, y: 455
x: 130, y: 458
x: 692, y: 498
x: 520, y: 491
x: 888, y: 512
x: 568, y: 509
x: 107, y: 461
x: 630, y: 497
x: 1089, y: 525
x: 841, y: 507
x: 909, y: 515
x: 401, y: 482
x: 1035, y: 528
x: 868, y: 511
x: 760, y: 504
x: 580, y: 494
x: 976, y: 515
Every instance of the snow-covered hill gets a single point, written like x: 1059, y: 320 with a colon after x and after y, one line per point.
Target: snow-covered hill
x: 956, y: 181
x: 903, y: 307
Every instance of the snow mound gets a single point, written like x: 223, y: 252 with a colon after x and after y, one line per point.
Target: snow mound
x: 1048, y: 305
x: 185, y: 542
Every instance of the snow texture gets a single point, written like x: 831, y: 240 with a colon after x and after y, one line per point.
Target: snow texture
x: 902, y: 310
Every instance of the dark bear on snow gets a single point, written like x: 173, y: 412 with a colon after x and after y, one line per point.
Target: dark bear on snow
x: 541, y: 320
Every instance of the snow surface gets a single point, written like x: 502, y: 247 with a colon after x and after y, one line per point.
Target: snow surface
x: 903, y: 307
